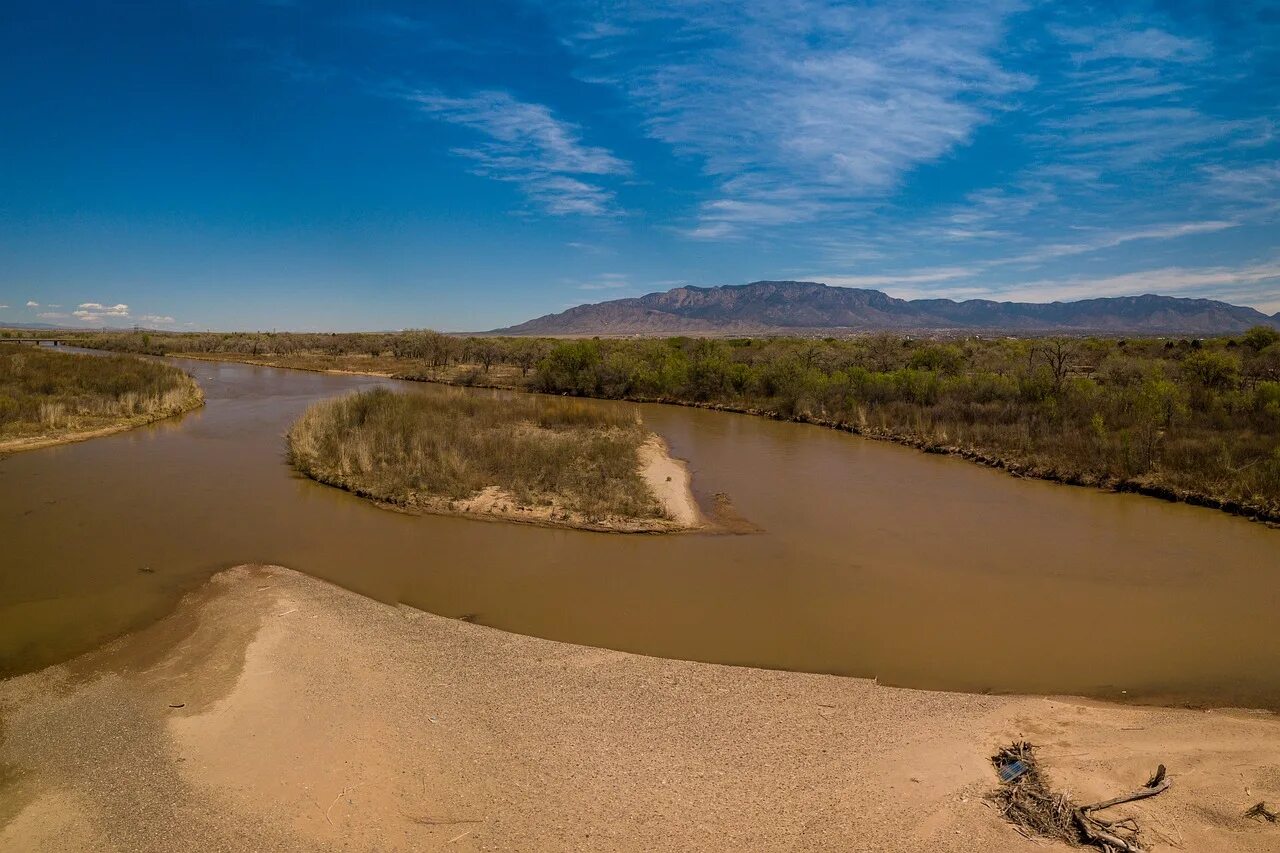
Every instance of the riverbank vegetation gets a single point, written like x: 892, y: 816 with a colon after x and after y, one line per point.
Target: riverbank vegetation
x: 520, y: 458
x: 48, y: 397
x: 1195, y: 419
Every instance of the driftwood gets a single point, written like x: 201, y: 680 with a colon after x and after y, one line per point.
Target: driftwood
x: 1261, y: 812
x: 1027, y: 801
x: 1105, y: 833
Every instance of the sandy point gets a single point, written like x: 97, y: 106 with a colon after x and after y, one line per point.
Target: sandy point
x: 272, y: 711
x: 669, y: 480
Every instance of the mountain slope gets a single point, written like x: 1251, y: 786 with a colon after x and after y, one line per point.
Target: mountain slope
x: 796, y: 306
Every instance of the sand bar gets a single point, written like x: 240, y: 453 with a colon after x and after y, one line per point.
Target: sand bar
x: 274, y: 711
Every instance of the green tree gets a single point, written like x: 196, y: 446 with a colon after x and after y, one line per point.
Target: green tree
x: 1216, y: 371
x: 1260, y: 337
x: 938, y: 358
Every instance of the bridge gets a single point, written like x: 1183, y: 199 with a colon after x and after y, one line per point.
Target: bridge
x: 39, y: 341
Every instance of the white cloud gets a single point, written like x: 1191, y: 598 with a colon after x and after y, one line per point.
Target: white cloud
x: 52, y: 315
x: 798, y: 109
x: 527, y: 145
x: 4, y: 306
x: 31, y: 304
x: 156, y: 320
x: 96, y: 312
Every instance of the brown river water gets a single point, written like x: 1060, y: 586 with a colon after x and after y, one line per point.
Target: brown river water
x: 872, y: 560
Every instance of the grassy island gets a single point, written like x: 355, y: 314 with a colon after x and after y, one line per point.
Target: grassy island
x: 49, y: 397
x: 543, y: 461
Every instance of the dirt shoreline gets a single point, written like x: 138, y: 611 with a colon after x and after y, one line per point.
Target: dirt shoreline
x: 271, y: 710
x: 1267, y: 515
x: 36, y: 442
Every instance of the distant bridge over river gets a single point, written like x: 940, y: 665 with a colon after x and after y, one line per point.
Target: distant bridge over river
x: 53, y: 342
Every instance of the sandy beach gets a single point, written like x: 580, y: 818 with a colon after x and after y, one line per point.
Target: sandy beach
x: 273, y: 711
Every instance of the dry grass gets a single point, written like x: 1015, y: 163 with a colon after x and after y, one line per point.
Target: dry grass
x: 49, y: 393
x: 418, y: 449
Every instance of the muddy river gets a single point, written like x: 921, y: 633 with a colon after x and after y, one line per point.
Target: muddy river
x: 872, y: 559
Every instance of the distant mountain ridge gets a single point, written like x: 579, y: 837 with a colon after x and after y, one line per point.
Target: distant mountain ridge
x: 780, y: 307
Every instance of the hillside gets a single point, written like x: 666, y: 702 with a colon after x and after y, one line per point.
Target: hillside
x: 798, y: 306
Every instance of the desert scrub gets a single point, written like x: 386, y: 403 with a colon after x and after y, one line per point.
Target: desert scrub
x: 48, y: 396
x: 440, y: 451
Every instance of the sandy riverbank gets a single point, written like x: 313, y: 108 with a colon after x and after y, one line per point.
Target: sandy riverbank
x: 669, y: 481
x: 273, y: 711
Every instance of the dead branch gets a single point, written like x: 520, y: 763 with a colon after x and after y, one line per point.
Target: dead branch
x: 1102, y: 832
x: 1140, y: 794
x: 1261, y: 812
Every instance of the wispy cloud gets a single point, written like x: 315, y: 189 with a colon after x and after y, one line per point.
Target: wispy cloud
x: 1110, y: 239
x: 1139, y: 97
x: 1255, y: 186
x: 526, y: 144
x: 156, y: 320
x: 1085, y: 242
x: 590, y: 248
x: 1125, y: 40
x: 802, y: 107
x: 52, y: 315
x: 1251, y: 284
x: 32, y: 304
x: 605, y: 281
x: 907, y: 278
x: 1126, y: 124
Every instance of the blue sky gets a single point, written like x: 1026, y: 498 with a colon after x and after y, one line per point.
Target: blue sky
x: 315, y: 165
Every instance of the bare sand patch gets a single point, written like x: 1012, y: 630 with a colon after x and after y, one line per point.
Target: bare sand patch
x: 274, y: 711
x: 668, y: 478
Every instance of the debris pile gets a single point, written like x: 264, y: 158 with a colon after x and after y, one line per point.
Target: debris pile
x: 1026, y: 800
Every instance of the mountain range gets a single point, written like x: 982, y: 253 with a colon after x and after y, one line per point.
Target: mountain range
x: 800, y: 307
